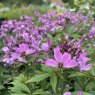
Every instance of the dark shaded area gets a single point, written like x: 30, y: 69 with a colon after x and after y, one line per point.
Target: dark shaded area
x: 19, y: 2
x: 1, y: 20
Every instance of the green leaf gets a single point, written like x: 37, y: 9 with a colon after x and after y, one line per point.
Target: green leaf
x: 19, y: 94
x: 1, y: 87
x: 20, y: 87
x: 39, y: 91
x: 89, y: 86
x: 53, y: 82
x: 84, y: 93
x: 76, y: 36
x: 50, y: 36
x: 47, y: 68
x: 21, y: 78
x: 77, y: 85
x: 77, y: 74
x: 38, y: 78
x: 92, y: 71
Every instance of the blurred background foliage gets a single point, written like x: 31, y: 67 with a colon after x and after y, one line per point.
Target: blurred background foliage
x: 20, y: 2
x: 8, y: 8
x: 84, y: 6
x: 13, y: 9
x: 15, y: 13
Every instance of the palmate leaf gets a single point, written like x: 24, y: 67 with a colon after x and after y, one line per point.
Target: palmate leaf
x: 38, y: 78
x: 53, y: 82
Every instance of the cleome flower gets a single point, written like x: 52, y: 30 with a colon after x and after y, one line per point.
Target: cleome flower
x: 82, y: 60
x: 69, y: 93
x: 61, y: 59
x: 46, y: 46
x: 24, y: 48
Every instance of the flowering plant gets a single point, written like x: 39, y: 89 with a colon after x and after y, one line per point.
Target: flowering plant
x: 50, y: 54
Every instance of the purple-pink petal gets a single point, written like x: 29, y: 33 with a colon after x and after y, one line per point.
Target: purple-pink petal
x: 30, y: 51
x: 67, y: 93
x: 22, y: 59
x: 5, y: 49
x: 80, y: 93
x: 57, y: 54
x: 84, y: 58
x: 86, y: 68
x: 70, y: 64
x: 51, y: 62
x: 66, y: 57
x: 22, y: 48
x: 45, y: 47
x: 49, y: 41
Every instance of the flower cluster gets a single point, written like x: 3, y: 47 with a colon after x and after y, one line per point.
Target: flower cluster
x: 66, y: 61
x: 31, y: 37
x: 69, y: 93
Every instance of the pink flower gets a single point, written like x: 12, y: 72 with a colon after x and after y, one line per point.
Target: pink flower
x: 24, y: 48
x: 25, y: 36
x: 13, y: 58
x: 82, y: 60
x: 35, y: 43
x: 7, y: 60
x: 17, y: 56
x: 46, y: 46
x: 84, y: 67
x: 83, y: 57
x: 80, y: 93
x: 5, y: 49
x: 67, y: 93
x: 65, y: 59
